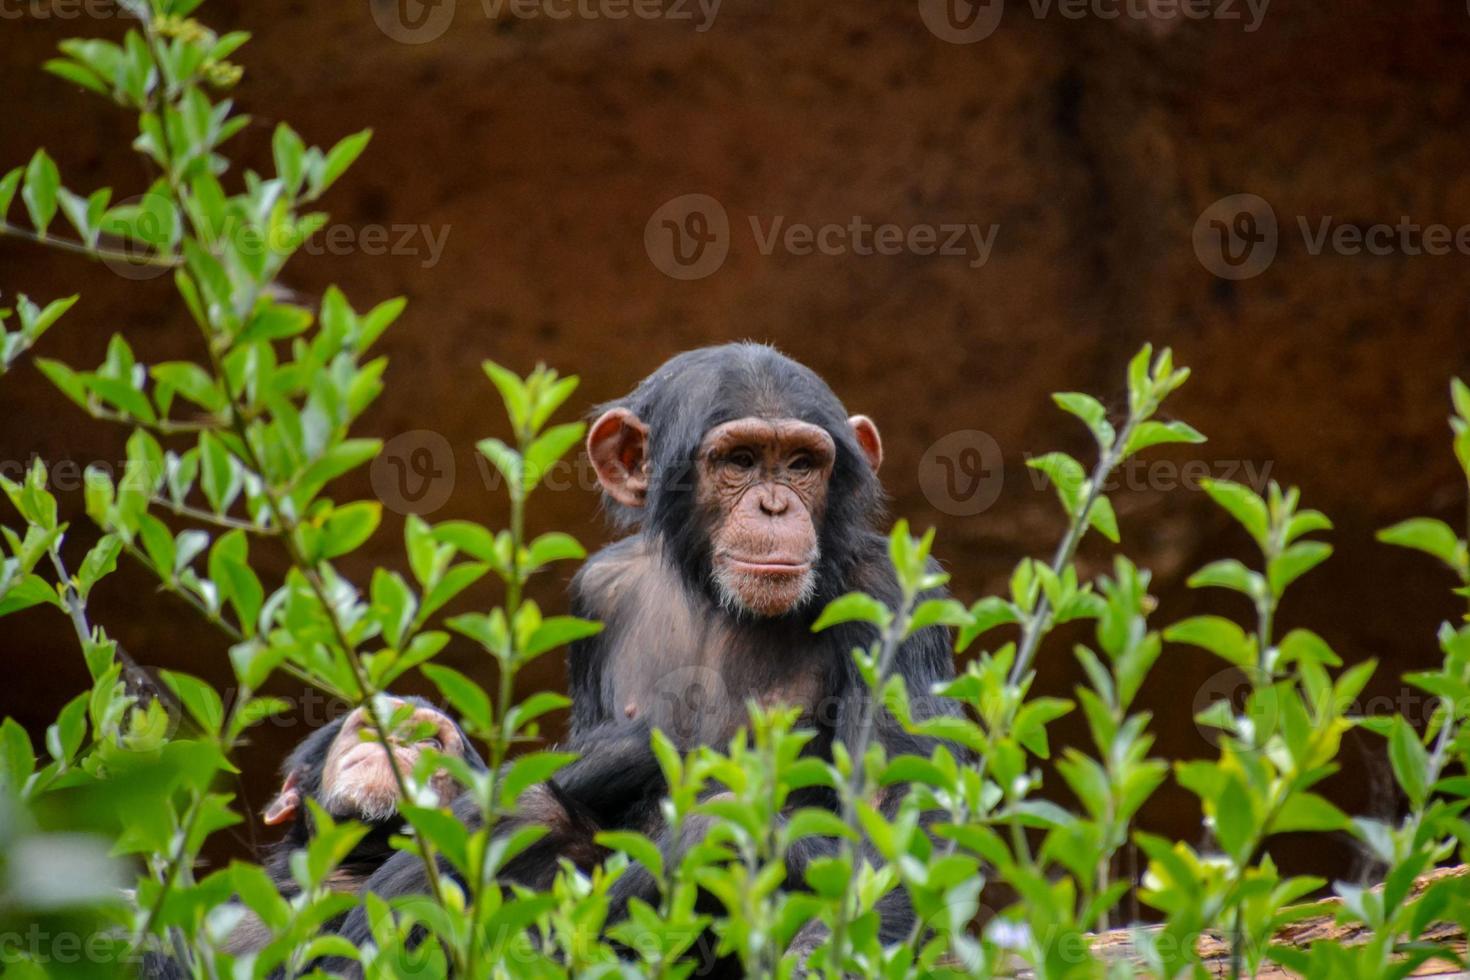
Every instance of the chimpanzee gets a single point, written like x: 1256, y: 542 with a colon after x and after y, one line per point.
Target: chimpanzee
x: 349, y: 776
x: 752, y: 499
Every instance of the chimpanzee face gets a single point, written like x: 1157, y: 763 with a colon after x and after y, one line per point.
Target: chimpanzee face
x: 355, y: 778
x: 761, y: 487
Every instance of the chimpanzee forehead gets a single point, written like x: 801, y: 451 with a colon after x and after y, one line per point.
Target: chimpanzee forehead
x: 781, y: 434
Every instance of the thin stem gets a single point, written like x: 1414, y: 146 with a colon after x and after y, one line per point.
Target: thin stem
x: 167, y: 427
x: 1039, y: 624
x: 313, y: 578
x: 858, y: 752
x: 94, y: 252
x: 218, y: 520
x: 505, y: 694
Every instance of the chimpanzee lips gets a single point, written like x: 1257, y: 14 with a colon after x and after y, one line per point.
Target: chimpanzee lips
x: 770, y: 566
x: 373, y: 752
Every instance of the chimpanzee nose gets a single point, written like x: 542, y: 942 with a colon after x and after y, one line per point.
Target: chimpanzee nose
x: 773, y: 504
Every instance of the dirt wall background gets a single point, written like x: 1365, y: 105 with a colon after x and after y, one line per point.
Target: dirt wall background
x: 535, y: 150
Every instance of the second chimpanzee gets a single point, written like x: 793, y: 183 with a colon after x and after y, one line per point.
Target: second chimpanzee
x: 350, y: 777
x: 752, y: 499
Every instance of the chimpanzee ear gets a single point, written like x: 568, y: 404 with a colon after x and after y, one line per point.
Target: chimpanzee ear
x: 868, y: 440
x: 286, y: 803
x: 618, y: 446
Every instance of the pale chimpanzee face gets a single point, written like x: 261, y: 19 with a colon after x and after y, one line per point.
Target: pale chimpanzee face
x: 357, y: 780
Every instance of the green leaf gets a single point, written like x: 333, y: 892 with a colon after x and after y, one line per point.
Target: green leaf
x: 289, y: 151
x: 64, y: 736
x: 1428, y: 535
x: 341, y: 156
x: 470, y: 538
x: 275, y: 322
x: 532, y: 768
x: 1410, y: 761
x: 8, y: 185
x: 122, y: 396
x: 191, y: 381
x: 452, y: 583
x: 855, y: 607
x: 1148, y: 434
x: 34, y: 323
x: 17, y: 756
x: 1304, y: 646
x: 101, y: 560
x: 1229, y: 574
x: 1305, y: 522
x: 512, y: 391
x: 201, y: 700
x: 218, y: 476
x: 506, y: 460
x: 1066, y: 474
x: 1304, y: 811
x: 472, y: 703
x: 1294, y: 562
x: 938, y: 612
x: 69, y: 382
x: 229, y: 568
x: 1091, y: 412
x: 77, y: 74
x: 549, y: 448
x: 556, y: 631
x: 553, y: 546
x: 1235, y: 819
x: 1102, y: 517
x: 39, y: 193
x: 986, y: 615
x: 1216, y: 634
x: 341, y: 458
x: 1243, y: 504
x: 349, y: 526
x: 636, y: 846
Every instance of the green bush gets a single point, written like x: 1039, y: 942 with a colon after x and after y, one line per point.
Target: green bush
x: 233, y: 455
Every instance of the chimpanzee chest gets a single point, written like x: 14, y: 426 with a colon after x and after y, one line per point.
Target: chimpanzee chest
x: 696, y: 686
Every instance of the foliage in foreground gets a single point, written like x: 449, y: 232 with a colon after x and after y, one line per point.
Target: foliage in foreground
x: 232, y: 455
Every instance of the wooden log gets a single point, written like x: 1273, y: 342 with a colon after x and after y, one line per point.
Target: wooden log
x: 1214, y: 949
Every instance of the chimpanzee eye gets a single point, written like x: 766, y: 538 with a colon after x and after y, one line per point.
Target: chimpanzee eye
x: 741, y: 459
x: 433, y: 743
x: 800, y: 463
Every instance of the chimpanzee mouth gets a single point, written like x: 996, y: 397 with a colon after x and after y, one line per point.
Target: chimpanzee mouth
x: 372, y: 752
x: 768, y: 566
